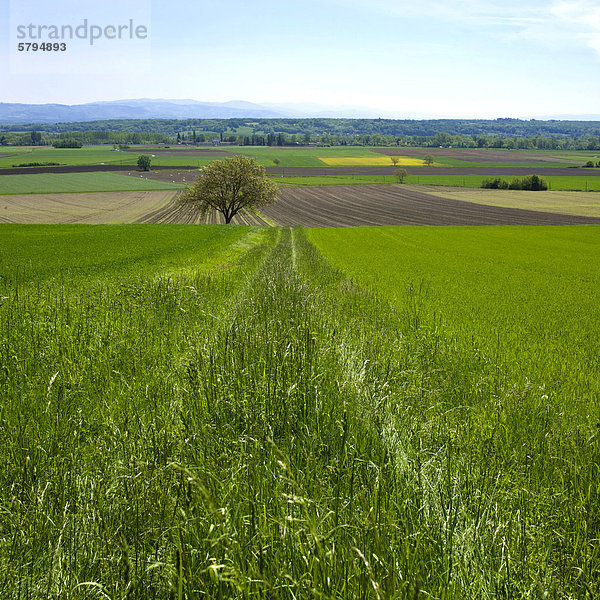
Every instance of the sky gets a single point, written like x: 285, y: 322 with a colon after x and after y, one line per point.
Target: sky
x: 465, y: 58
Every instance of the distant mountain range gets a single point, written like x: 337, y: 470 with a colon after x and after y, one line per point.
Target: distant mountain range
x: 172, y: 109
x: 192, y: 109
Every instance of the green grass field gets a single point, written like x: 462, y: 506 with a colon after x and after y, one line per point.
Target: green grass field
x: 523, y: 294
x: 58, y: 183
x: 221, y: 412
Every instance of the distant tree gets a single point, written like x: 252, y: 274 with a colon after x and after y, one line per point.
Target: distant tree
x: 428, y: 160
x: 495, y: 184
x: 589, y: 164
x: 36, y: 138
x: 231, y: 185
x: 515, y: 184
x: 401, y: 174
x: 395, y: 160
x: 534, y: 183
x: 144, y: 161
x: 67, y: 143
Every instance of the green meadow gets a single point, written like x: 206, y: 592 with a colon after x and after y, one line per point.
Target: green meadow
x: 235, y: 412
x: 62, y: 183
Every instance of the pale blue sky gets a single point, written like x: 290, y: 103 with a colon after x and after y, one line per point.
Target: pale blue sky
x: 462, y: 58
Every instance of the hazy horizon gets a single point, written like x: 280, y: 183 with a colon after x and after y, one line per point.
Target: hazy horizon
x: 477, y: 59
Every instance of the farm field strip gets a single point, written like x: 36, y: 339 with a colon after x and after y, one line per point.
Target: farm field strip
x: 179, y: 213
x: 527, y: 293
x: 368, y: 161
x: 55, y: 183
x: 332, y: 206
x: 278, y: 421
x: 348, y: 206
x: 94, y: 208
x: 289, y: 156
x: 478, y: 155
x: 572, y: 203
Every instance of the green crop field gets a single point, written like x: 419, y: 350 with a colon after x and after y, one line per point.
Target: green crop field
x: 58, y: 183
x: 88, y: 155
x: 525, y: 296
x: 234, y: 412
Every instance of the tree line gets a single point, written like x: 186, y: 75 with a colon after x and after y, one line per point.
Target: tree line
x: 499, y: 133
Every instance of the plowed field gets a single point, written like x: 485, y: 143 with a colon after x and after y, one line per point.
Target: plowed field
x: 106, y: 208
x: 92, y: 208
x: 349, y: 206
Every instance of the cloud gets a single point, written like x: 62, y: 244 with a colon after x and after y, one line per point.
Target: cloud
x: 476, y: 12
x: 553, y: 24
x: 581, y: 19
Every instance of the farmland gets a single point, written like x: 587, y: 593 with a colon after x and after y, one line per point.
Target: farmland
x: 523, y: 295
x: 375, y: 161
x: 348, y: 206
x: 53, y: 183
x: 124, y: 207
x: 331, y: 206
x: 277, y: 412
x: 236, y: 412
x: 573, y: 203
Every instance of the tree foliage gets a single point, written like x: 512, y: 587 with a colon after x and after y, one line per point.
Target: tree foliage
x: 144, y: 161
x: 231, y: 185
x: 401, y: 174
x: 533, y: 183
x: 67, y: 143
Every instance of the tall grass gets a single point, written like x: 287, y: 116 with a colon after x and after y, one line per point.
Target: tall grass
x: 272, y: 430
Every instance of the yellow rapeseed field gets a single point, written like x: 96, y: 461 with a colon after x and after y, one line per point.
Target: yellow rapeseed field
x: 370, y: 161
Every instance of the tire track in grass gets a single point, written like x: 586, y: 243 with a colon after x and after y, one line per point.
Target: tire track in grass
x: 338, y: 412
x: 434, y: 408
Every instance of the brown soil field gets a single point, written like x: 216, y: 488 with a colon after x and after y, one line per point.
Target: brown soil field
x: 185, y: 214
x: 172, y: 175
x: 585, y: 204
x: 331, y: 206
x: 93, y: 208
x: 110, y: 207
x: 474, y: 155
x: 349, y: 206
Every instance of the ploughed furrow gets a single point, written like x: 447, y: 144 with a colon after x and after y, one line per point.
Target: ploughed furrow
x: 187, y: 213
x: 368, y: 205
